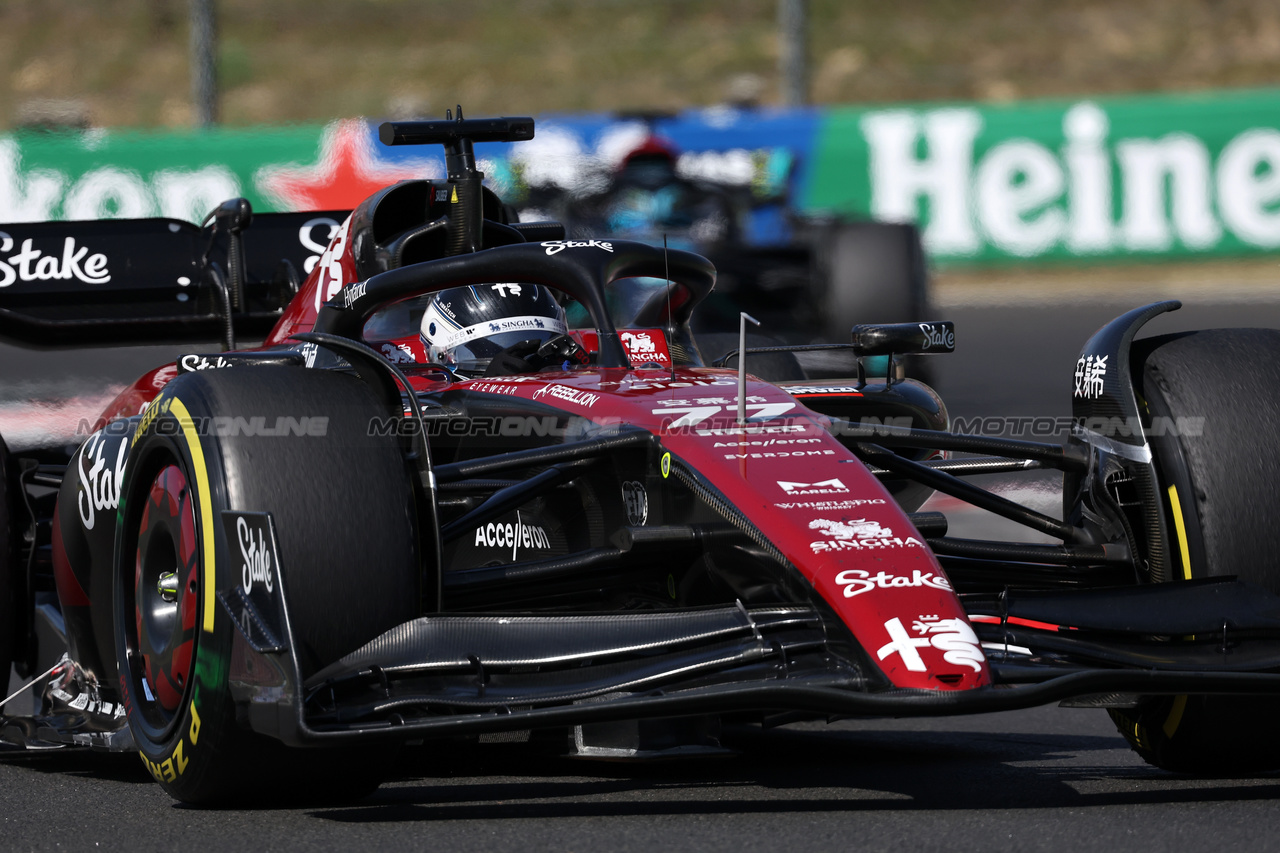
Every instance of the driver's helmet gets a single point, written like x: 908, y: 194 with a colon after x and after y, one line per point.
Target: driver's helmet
x: 651, y: 164
x: 465, y: 327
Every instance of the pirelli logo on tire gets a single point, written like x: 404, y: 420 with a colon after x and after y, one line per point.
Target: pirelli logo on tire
x: 175, y: 765
x: 157, y: 408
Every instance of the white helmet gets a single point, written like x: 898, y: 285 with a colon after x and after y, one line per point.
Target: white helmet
x: 465, y: 327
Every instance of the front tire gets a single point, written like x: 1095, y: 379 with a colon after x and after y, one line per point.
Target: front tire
x: 10, y: 631
x: 1218, y: 485
x: 342, y: 510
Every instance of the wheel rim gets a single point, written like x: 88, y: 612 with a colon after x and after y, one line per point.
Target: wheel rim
x: 165, y: 594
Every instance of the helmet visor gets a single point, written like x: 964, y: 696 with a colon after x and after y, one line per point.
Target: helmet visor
x: 471, y: 349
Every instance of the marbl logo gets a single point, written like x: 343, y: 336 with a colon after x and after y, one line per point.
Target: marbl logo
x: 824, y: 487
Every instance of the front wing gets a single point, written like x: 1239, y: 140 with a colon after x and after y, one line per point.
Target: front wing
x: 475, y: 674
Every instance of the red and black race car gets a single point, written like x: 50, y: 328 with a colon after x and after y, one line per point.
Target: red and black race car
x: 479, y: 481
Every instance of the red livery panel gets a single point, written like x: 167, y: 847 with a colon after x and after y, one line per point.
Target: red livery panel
x: 805, y: 492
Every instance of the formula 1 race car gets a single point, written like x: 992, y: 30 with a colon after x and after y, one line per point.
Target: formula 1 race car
x: 424, y: 507
x: 811, y: 276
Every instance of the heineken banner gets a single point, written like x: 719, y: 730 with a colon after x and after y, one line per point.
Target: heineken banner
x: 1183, y: 176
x: 1186, y: 176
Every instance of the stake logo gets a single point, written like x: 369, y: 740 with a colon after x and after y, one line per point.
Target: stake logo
x: 255, y: 556
x: 858, y: 581
x: 99, y: 483
x: 31, y: 264
x: 555, y: 246
x: 938, y: 336
x: 192, y: 362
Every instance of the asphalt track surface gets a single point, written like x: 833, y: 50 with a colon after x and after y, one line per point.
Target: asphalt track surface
x: 1042, y: 779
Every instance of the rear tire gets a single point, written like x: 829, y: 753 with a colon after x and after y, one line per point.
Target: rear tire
x: 868, y: 272
x: 1222, y: 482
x: 342, y: 511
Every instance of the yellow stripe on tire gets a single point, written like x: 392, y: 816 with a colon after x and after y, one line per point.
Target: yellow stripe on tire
x: 1181, y: 527
x: 1175, y: 716
x: 185, y: 421
x: 1179, y: 705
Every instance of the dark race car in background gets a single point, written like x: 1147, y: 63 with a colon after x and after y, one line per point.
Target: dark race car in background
x: 265, y: 569
x: 808, y: 276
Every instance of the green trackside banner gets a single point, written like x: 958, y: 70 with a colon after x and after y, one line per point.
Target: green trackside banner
x: 1105, y: 179
x: 129, y: 174
x: 1170, y: 176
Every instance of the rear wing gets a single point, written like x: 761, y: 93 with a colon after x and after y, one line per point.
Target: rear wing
x: 129, y: 281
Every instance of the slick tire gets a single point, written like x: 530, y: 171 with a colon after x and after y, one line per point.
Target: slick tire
x: 10, y: 623
x: 293, y: 443
x: 1218, y: 487
x: 868, y: 272
x: 769, y: 366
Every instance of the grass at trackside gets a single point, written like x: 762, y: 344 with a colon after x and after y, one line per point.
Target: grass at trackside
x: 312, y: 60
x: 1254, y: 280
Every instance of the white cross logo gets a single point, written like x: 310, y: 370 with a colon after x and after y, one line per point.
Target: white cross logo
x: 904, y: 644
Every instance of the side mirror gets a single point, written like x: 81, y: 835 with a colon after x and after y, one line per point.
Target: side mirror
x: 904, y: 338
